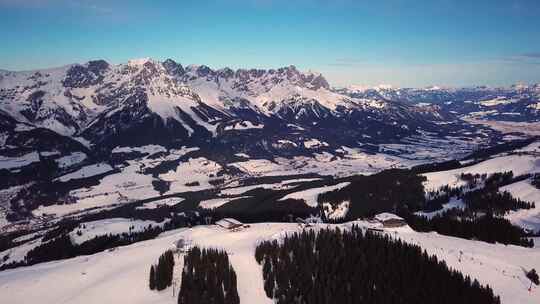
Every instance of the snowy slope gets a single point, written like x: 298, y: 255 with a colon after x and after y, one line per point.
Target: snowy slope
x: 519, y: 164
x: 527, y: 218
x: 88, y: 230
x: 310, y: 196
x: 107, y: 276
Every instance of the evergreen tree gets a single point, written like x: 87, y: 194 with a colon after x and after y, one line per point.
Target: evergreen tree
x: 164, y: 270
x: 208, y: 277
x: 152, y: 280
x: 533, y: 276
x: 333, y: 266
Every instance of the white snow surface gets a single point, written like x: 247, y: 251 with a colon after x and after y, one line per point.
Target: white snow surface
x: 86, y: 171
x: 71, y: 159
x: 526, y: 218
x: 385, y: 216
x: 454, y: 203
x: 121, y: 276
x: 339, y: 212
x: 519, y: 164
x: 352, y: 162
x: 501, y: 100
x: 195, y: 170
x: 244, y: 125
x: 310, y: 195
x: 244, y: 155
x: 150, y: 149
x: 20, y: 161
x: 88, y: 230
x: 162, y: 202
x: 314, y: 143
x: 217, y: 202
x: 123, y: 187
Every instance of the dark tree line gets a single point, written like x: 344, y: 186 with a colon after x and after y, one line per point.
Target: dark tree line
x: 493, y: 181
x: 353, y: 266
x: 486, y: 228
x: 494, y: 202
x: 533, y: 276
x: 56, y: 243
x: 57, y: 246
x: 382, y: 192
x: 481, y: 193
x: 208, y: 278
x: 499, y: 179
x: 482, y: 153
x: 482, y: 216
x: 535, y: 180
x: 161, y: 274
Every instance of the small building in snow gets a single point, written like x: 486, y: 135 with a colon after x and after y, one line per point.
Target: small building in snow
x: 390, y: 220
x: 229, y: 223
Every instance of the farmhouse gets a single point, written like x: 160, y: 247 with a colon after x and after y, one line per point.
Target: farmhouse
x: 390, y: 220
x: 229, y: 223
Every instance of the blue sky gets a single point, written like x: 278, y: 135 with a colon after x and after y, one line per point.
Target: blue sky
x: 398, y: 42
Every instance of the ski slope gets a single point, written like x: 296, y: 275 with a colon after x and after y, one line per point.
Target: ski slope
x: 121, y: 275
x: 519, y: 164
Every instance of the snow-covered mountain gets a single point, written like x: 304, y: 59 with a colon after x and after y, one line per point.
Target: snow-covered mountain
x: 515, y: 103
x: 97, y: 156
x: 106, y: 104
x: 90, y: 136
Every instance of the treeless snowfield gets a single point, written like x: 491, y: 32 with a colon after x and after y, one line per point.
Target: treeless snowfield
x: 121, y: 275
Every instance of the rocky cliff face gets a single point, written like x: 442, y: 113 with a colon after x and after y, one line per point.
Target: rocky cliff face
x: 146, y: 101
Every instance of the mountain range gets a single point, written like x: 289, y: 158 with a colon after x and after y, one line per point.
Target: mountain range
x: 65, y: 129
x: 103, y: 104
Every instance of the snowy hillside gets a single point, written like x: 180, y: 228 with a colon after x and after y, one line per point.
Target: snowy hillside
x: 99, y: 277
x: 522, y: 162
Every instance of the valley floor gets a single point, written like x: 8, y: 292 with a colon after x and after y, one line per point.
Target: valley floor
x: 121, y: 275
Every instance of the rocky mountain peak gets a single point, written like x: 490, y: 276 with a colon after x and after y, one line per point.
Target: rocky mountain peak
x: 173, y: 68
x: 80, y: 76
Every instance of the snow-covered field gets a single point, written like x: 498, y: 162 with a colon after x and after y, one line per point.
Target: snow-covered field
x: 283, y: 185
x: 121, y: 275
x: 310, y: 195
x: 149, y: 149
x: 125, y: 186
x: 526, y: 218
x: 18, y: 253
x: 527, y: 128
x: 351, y: 163
x: 217, y: 202
x: 454, y: 203
x: 519, y: 164
x: 17, y: 162
x: 71, y: 159
x: 195, y: 174
x: 525, y: 162
x: 162, y: 202
x: 130, y: 183
x: 86, y: 171
x: 88, y: 230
